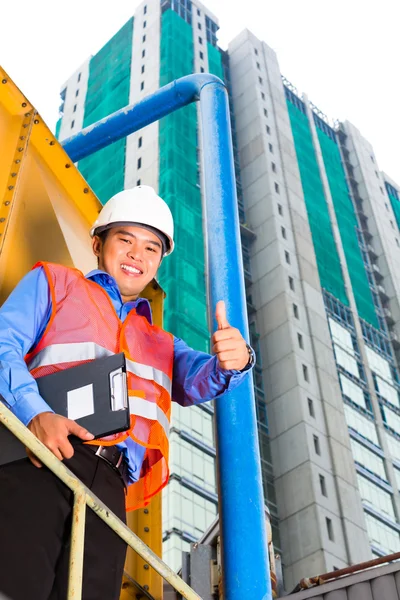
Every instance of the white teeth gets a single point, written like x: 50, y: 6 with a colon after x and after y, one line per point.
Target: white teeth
x: 131, y: 269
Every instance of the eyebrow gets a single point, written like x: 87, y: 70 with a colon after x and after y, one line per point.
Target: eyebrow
x: 158, y: 244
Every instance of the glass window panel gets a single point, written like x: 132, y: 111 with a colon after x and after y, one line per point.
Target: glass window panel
x: 376, y: 497
x: 361, y: 424
x: 397, y: 476
x: 387, y: 391
x: 392, y: 420
x: 378, y: 364
x: 382, y: 535
x: 394, y: 446
x: 346, y: 361
x: 368, y: 459
x: 341, y: 336
x: 352, y: 391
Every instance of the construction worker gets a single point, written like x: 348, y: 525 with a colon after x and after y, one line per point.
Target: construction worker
x: 55, y: 319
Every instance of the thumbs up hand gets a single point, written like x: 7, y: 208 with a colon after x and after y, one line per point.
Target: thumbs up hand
x: 228, y: 343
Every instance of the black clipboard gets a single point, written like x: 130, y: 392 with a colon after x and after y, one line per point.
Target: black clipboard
x: 93, y: 394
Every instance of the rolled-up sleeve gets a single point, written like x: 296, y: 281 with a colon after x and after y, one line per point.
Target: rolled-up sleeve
x: 198, y: 378
x: 23, y: 318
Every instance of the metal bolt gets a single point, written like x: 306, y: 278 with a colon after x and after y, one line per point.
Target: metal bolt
x: 24, y: 105
x: 146, y: 587
x: 22, y: 137
x: 146, y: 511
x: 13, y: 174
x: 67, y: 166
x: 20, y: 149
x: 36, y: 121
x: 52, y: 143
x: 10, y: 187
x: 85, y: 190
x: 17, y: 161
x: 27, y: 114
x: 2, y: 220
x: 147, y: 529
x: 4, y: 81
x: 7, y: 203
x: 146, y: 567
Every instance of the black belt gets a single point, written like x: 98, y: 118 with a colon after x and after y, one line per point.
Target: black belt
x: 114, y: 457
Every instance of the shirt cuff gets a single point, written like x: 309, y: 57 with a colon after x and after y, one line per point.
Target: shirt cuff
x: 28, y: 406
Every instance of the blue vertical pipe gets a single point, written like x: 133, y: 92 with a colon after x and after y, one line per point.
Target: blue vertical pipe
x: 244, y: 540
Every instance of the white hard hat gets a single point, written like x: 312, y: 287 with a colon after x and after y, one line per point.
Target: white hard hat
x: 139, y: 205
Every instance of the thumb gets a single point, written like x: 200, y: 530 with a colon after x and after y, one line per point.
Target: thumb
x: 79, y: 431
x: 220, y: 315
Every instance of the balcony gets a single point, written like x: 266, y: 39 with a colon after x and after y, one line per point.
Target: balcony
x: 377, y: 272
x: 394, y: 338
x: 372, y: 251
x: 382, y: 293
x: 247, y: 232
x: 388, y: 316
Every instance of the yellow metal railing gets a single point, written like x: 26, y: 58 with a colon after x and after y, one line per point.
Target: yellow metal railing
x: 83, y: 498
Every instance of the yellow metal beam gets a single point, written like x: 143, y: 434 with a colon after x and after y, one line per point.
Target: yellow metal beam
x: 46, y: 211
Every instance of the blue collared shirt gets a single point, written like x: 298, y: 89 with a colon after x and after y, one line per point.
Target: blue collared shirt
x: 197, y: 376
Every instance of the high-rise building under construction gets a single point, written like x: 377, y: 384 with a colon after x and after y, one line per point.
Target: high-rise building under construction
x: 321, y: 255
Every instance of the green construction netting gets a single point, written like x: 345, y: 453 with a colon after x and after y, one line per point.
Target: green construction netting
x: 58, y: 127
x: 214, y: 61
x: 395, y: 205
x: 108, y: 91
x: 328, y: 262
x: 182, y: 275
x: 347, y: 223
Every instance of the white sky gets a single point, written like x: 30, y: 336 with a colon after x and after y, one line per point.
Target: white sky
x: 344, y: 54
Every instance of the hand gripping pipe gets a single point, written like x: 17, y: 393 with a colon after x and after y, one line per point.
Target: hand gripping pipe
x: 241, y: 502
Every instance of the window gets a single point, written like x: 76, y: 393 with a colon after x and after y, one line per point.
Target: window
x: 258, y: 66
x: 139, y: 163
x: 145, y: 9
x: 391, y: 222
x: 305, y: 373
x: 368, y: 459
x: 142, y: 68
x: 199, y: 25
x: 201, y: 69
x: 268, y: 129
x: 397, y: 241
x: 256, y: 51
x: 265, y: 112
x: 142, y: 86
x: 138, y: 182
x: 276, y: 187
x: 317, y: 447
x: 198, y: 12
x: 376, y: 173
x: 322, y: 484
x: 144, y: 24
x: 296, y: 311
x: 300, y: 341
x: 79, y: 76
x: 283, y: 232
x: 386, y: 206
x: 72, y: 124
x: 351, y: 390
x: 273, y: 165
x: 329, y: 529
x: 360, y: 423
x: 260, y: 81
x: 381, y: 190
x: 143, y: 53
x: 291, y: 283
x: 372, y: 158
x: 75, y: 107
x: 201, y: 55
x: 311, y: 408
x: 271, y: 148
x: 382, y: 535
x: 280, y: 209
x: 376, y: 497
x: 77, y: 93
x: 139, y: 144
x: 200, y: 40
x: 263, y: 95
x: 287, y: 257
x: 143, y: 38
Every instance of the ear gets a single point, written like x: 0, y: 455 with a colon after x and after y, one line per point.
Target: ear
x: 96, y: 245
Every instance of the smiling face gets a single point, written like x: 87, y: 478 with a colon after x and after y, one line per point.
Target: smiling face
x: 131, y: 255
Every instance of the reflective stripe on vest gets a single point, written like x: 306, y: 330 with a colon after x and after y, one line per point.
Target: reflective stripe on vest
x: 149, y: 410
x: 79, y: 351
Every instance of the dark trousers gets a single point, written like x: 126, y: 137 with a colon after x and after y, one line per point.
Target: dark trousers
x: 35, y: 529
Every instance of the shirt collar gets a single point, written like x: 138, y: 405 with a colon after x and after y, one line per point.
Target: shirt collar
x: 142, y: 305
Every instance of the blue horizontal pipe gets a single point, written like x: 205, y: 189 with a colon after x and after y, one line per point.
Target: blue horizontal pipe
x: 127, y: 120
x: 241, y: 502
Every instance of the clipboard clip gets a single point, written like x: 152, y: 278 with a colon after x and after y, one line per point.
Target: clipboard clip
x: 118, y: 390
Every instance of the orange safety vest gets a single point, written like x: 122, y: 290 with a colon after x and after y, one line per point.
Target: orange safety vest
x: 84, y: 326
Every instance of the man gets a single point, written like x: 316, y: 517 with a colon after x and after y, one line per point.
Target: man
x: 57, y: 318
